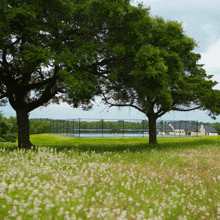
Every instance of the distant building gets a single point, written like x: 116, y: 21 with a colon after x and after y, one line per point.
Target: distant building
x: 185, y: 128
x: 164, y: 129
x: 182, y: 128
x: 207, y: 130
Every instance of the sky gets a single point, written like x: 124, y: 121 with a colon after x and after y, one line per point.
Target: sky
x: 200, y: 20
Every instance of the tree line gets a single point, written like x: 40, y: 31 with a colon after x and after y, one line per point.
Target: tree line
x: 9, y: 128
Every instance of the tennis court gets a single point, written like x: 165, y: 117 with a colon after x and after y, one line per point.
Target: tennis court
x: 90, y: 135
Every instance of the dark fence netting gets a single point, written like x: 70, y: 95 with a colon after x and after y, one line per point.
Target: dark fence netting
x: 82, y: 127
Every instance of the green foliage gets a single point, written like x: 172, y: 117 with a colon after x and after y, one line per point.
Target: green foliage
x: 39, y: 127
x: 76, y: 52
x: 14, y: 126
x: 4, y: 125
x: 216, y: 126
x: 69, y: 37
x: 7, y: 130
x: 87, y: 46
x: 158, y: 71
x: 2, y: 139
x: 12, y: 137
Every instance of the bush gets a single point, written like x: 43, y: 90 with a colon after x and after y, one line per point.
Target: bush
x: 12, y: 137
x: 39, y: 127
x: 4, y: 126
x: 2, y: 140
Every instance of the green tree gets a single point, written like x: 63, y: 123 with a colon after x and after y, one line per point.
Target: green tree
x: 5, y: 126
x: 39, y: 127
x: 67, y: 36
x: 14, y: 126
x: 158, y: 72
x: 216, y: 126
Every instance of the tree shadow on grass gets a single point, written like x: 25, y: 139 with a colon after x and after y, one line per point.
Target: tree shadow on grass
x: 118, y: 148
x: 136, y: 147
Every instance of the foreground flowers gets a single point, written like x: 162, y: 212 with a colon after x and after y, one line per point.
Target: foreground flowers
x: 147, y: 185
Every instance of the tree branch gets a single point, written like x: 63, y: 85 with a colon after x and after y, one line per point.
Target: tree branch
x: 48, y: 93
x: 122, y: 105
x: 3, y: 96
x: 12, y: 44
x: 160, y: 113
x: 184, y: 110
x: 4, y: 57
x: 92, y: 68
x: 40, y: 84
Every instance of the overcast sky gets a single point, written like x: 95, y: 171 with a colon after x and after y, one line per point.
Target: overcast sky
x: 200, y: 20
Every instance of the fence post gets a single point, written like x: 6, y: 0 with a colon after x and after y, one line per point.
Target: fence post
x: 63, y: 127
x: 123, y: 128
x: 143, y: 128
x: 79, y: 127
x: 67, y: 127
x: 174, y: 129
x: 73, y: 127
x: 102, y: 126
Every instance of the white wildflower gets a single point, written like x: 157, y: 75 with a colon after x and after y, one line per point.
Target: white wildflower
x: 30, y: 212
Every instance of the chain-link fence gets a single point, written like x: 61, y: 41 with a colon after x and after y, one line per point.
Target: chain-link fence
x: 82, y: 127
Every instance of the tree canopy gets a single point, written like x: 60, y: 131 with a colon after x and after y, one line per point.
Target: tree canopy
x: 158, y: 72
x: 66, y: 36
x: 93, y: 47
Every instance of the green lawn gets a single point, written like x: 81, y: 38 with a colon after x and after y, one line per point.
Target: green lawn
x: 111, y: 178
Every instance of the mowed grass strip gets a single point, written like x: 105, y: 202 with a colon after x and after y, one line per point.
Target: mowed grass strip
x: 111, y: 178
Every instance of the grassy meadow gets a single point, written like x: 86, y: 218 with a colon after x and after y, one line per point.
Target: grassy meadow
x: 111, y: 178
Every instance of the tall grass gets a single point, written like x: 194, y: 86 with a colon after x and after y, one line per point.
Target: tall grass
x: 111, y: 178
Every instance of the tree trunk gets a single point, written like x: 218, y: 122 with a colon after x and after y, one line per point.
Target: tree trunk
x: 152, y: 129
x: 23, y: 129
